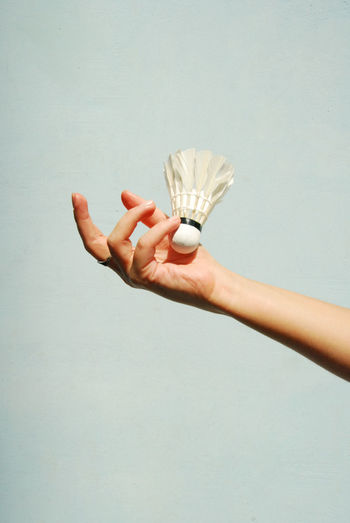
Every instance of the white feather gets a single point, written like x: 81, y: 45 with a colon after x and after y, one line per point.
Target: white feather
x: 197, y: 181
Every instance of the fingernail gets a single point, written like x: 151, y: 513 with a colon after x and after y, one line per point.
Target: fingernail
x: 73, y: 198
x: 149, y: 203
x: 174, y: 219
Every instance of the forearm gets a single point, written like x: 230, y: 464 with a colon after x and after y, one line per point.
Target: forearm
x: 318, y: 330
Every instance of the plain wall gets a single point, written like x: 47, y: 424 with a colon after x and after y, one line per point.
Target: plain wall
x: 116, y: 405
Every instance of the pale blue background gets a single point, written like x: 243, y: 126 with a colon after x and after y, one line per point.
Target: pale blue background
x: 117, y: 406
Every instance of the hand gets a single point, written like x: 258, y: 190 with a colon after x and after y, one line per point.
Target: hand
x: 197, y: 279
x: 152, y: 264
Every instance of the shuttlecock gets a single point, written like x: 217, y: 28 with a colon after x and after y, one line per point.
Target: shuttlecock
x: 197, y: 181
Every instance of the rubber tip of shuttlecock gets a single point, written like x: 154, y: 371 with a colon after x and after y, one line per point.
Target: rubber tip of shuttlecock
x: 186, y: 239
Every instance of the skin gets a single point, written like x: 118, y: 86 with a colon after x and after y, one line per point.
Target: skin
x: 318, y: 330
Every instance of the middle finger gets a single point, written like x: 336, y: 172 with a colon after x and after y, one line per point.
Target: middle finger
x: 131, y: 200
x: 119, y: 240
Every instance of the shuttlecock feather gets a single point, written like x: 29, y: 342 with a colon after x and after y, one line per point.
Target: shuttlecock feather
x: 197, y: 181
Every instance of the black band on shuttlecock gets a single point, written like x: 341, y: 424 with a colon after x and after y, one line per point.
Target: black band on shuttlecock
x: 195, y: 224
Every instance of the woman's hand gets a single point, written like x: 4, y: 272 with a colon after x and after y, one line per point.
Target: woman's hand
x: 317, y: 330
x: 152, y: 264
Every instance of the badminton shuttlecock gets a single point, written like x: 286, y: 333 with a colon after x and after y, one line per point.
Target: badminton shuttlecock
x: 197, y: 181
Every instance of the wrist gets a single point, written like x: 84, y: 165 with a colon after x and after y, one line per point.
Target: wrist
x: 224, y: 298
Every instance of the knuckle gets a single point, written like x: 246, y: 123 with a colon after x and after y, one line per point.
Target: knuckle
x: 135, y: 279
x: 141, y: 244
x: 88, y: 248
x: 151, y: 278
x: 110, y: 241
x: 143, y: 278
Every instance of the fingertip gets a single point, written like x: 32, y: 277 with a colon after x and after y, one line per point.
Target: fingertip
x: 77, y: 197
x: 146, y: 208
x: 175, y: 221
x: 124, y: 195
x: 80, y: 206
x: 168, y: 226
x: 131, y: 199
